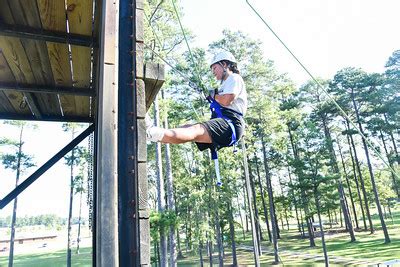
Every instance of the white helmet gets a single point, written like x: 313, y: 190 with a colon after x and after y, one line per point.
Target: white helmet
x: 223, y: 55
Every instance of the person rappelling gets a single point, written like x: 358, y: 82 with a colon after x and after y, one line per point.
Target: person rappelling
x: 228, y: 104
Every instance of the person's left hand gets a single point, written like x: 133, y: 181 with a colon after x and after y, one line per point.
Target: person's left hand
x: 212, y: 92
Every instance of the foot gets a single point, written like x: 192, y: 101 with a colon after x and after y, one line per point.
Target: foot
x: 149, y: 122
x: 153, y: 133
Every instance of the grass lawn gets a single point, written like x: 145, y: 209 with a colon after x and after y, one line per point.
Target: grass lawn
x: 51, y: 259
x: 368, y: 248
x: 294, y: 251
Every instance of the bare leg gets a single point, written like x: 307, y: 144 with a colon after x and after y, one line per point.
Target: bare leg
x: 187, y: 133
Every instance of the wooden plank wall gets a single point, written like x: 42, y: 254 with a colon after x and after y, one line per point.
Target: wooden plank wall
x: 33, y: 62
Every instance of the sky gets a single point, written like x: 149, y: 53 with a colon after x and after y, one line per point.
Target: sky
x: 326, y: 36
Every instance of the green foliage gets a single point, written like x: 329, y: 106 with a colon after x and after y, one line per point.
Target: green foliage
x: 160, y: 222
x: 48, y: 220
x: 292, y: 133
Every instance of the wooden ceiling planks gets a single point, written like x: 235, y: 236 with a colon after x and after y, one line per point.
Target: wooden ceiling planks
x: 26, y: 62
x: 80, y: 13
x: 52, y: 14
x: 25, y: 13
x: 6, y: 76
x: 17, y: 64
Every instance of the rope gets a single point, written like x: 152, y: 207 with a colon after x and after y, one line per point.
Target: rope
x: 191, y: 84
x: 325, y: 91
x: 187, y: 44
x: 185, y: 77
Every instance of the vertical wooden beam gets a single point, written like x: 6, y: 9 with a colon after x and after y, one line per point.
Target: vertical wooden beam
x: 107, y: 248
x: 144, y: 222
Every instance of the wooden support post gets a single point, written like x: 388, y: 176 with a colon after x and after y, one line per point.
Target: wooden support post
x: 107, y: 249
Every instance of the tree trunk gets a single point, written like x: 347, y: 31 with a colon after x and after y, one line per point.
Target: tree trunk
x: 316, y: 196
x: 356, y: 181
x: 178, y: 242
x: 348, y: 186
x: 210, y: 207
x: 271, y: 203
x: 254, y: 198
x: 12, y: 238
x: 393, y: 141
x: 232, y: 234
x: 371, y: 226
x: 71, y: 200
x: 201, y: 253
x: 302, y: 193
x: 14, y: 214
x: 335, y: 168
x: 219, y: 239
x: 78, y: 240
x: 371, y: 173
x: 299, y: 222
x: 395, y: 185
x: 157, y: 251
x: 262, y: 198
x: 245, y: 208
x: 278, y: 231
x: 160, y: 188
x: 336, y: 219
x: 241, y: 218
x: 390, y: 212
x: 170, y: 201
x: 330, y: 218
x: 248, y: 190
x: 210, y: 252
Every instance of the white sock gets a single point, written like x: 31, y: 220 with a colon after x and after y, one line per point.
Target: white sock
x: 155, y: 134
x: 149, y: 121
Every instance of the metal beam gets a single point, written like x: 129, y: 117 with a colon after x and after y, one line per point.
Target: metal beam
x: 29, y: 117
x: 34, y: 88
x: 46, y: 35
x: 129, y: 250
x: 21, y: 187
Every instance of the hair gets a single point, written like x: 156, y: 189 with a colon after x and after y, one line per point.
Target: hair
x: 231, y: 66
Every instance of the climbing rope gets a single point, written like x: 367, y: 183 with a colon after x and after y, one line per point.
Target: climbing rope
x: 185, y: 77
x: 190, y: 51
x: 324, y: 90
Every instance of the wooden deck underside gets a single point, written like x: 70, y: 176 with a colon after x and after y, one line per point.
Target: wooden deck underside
x: 43, y: 77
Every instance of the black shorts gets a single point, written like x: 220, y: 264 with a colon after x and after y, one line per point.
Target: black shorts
x: 221, y: 133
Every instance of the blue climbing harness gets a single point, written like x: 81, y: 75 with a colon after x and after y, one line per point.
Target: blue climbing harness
x: 216, y: 112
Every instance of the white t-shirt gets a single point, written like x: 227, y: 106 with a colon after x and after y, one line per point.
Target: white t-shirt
x: 234, y: 84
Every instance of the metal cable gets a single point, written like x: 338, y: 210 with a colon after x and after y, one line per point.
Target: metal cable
x: 325, y: 91
x: 181, y: 74
x: 190, y: 51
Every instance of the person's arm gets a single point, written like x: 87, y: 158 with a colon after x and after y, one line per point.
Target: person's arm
x: 226, y: 99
